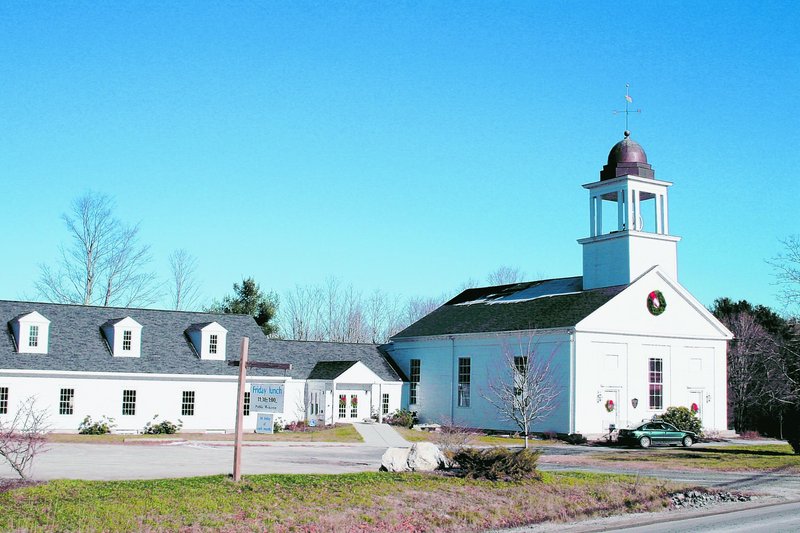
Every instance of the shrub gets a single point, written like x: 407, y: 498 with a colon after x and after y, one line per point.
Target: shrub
x: 161, y: 428
x: 498, y: 464
x: 575, y: 438
x: 401, y: 417
x: 684, y: 419
x: 101, y: 427
x: 297, y: 425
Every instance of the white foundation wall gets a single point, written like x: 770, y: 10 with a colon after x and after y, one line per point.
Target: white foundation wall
x: 616, y: 367
x: 437, y: 392
x: 99, y: 395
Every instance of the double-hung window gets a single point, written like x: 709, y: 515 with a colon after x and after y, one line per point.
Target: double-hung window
x: 187, y: 403
x: 127, y: 336
x: 128, y: 402
x: 212, y: 343
x: 464, y: 381
x: 656, y: 383
x: 66, y: 402
x: 246, y: 406
x: 385, y: 403
x: 3, y: 400
x: 33, y: 336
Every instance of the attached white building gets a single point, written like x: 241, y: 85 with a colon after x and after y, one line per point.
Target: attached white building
x: 626, y: 339
x: 133, y: 364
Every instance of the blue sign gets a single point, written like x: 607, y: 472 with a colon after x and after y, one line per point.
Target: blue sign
x: 267, y: 397
x: 265, y: 423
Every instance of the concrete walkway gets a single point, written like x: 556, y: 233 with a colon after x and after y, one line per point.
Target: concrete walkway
x: 381, y: 435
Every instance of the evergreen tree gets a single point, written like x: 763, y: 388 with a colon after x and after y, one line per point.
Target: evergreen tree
x: 249, y: 299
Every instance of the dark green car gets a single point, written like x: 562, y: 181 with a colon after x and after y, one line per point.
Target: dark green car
x: 656, y: 433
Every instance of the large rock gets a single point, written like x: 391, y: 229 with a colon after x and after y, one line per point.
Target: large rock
x: 424, y: 457
x: 395, y: 460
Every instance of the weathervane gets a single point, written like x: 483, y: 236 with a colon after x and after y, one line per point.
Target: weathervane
x: 628, y: 100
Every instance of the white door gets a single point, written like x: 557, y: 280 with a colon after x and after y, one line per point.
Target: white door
x: 610, y: 409
x: 696, y: 399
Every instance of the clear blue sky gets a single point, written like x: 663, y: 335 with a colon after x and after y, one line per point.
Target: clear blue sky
x: 406, y: 146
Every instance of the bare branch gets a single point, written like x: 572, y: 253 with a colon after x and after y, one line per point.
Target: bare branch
x: 524, y: 389
x: 23, y: 437
x: 183, y: 284
x: 505, y: 275
x: 103, y: 263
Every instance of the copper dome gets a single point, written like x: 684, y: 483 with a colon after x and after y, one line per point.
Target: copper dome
x: 627, y: 157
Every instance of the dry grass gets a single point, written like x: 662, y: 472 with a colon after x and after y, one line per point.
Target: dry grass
x: 363, y: 502
x: 414, y: 435
x: 768, y: 457
x: 340, y: 433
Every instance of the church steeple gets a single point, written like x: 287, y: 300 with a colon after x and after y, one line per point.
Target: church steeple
x: 628, y: 221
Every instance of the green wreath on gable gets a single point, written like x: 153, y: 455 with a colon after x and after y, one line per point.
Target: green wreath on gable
x: 656, y: 303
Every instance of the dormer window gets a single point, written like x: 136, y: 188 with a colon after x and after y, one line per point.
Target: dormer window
x: 208, y: 340
x: 124, y: 337
x: 31, y: 332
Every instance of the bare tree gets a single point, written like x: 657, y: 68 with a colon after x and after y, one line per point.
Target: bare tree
x: 525, y: 389
x: 183, y: 284
x: 417, y: 307
x: 787, y: 271
x: 23, y: 437
x: 748, y: 354
x: 505, y: 275
x: 104, y: 264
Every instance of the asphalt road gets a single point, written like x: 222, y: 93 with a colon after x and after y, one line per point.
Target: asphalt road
x: 186, y: 459
x: 771, y: 519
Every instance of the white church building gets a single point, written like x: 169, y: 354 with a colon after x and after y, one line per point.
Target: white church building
x: 626, y: 339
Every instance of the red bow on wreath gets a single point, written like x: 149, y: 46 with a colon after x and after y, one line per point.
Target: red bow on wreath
x: 695, y: 408
x: 610, y: 405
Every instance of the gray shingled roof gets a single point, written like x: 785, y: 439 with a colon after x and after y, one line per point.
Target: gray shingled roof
x: 330, y: 369
x: 540, y: 304
x: 76, y: 343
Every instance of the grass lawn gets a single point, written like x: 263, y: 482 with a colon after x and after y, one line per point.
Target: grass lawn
x: 413, y: 435
x: 767, y: 457
x: 340, y: 433
x: 366, y: 502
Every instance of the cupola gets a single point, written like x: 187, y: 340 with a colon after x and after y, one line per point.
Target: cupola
x: 628, y: 221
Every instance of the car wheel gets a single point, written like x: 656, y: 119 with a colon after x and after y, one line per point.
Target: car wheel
x: 687, y: 441
x: 644, y: 442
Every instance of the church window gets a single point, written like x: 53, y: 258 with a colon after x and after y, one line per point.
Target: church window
x: 66, y: 403
x: 246, y: 406
x: 656, y: 382
x: 414, y: 385
x: 342, y: 405
x: 464, y: 379
x: 33, y: 336
x: 353, y: 406
x: 520, y: 373
x: 212, y: 343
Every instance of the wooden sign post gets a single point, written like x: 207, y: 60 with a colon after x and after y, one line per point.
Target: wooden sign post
x: 243, y: 365
x: 237, y: 447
